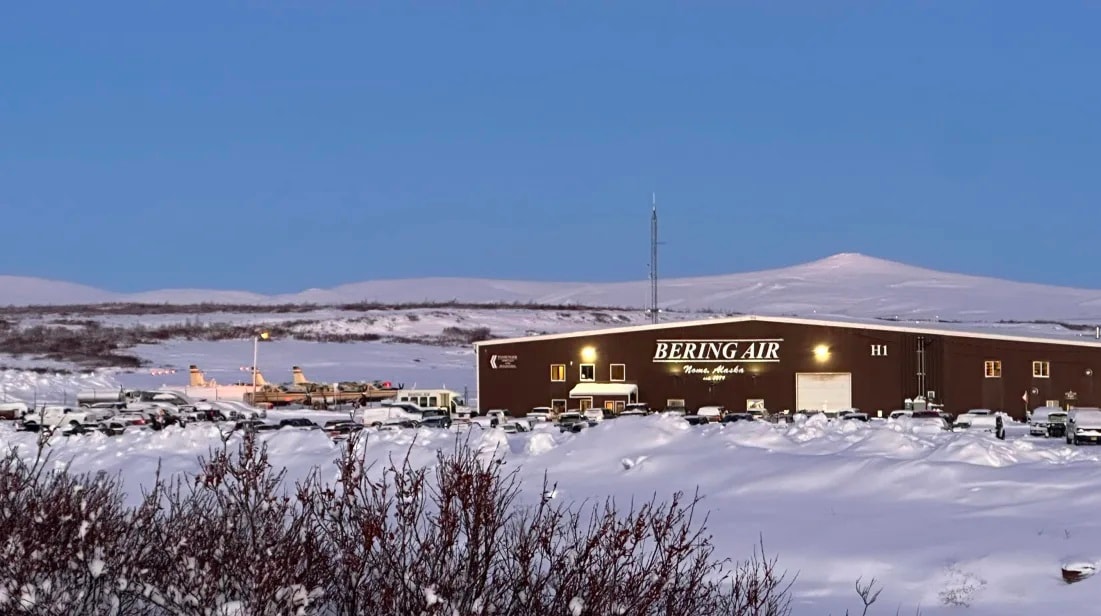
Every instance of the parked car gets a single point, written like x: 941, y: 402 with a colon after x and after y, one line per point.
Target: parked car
x: 341, y: 429
x: 573, y: 422
x: 436, y: 419
x: 595, y: 415
x: 930, y: 419
x: 298, y: 422
x: 1083, y: 425
x: 1047, y: 421
x: 516, y: 425
x: 994, y: 423
x: 397, y: 424
x: 636, y: 408
x: 254, y: 425
x: 540, y: 413
x: 712, y: 413
x: 112, y: 428
x: 697, y: 420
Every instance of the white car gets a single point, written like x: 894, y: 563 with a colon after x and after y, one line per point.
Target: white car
x: 594, y: 415
x: 1083, y: 425
x: 515, y: 426
x: 926, y: 420
x: 540, y: 413
x: 981, y: 422
x: 712, y: 413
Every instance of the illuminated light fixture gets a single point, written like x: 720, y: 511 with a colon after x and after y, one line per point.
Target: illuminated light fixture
x: 821, y: 352
x: 588, y: 355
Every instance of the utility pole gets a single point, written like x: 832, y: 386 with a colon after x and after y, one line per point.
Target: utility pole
x: 654, y: 260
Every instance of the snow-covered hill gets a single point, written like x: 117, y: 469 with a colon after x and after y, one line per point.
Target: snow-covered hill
x: 845, y: 284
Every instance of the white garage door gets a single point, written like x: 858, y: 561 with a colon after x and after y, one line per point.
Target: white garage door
x: 823, y: 391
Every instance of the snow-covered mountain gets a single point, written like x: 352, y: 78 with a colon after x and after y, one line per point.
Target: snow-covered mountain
x: 844, y: 284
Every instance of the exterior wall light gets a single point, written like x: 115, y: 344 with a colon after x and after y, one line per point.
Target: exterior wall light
x: 588, y: 355
x: 821, y: 352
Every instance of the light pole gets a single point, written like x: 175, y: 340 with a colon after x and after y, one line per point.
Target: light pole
x: 255, y: 359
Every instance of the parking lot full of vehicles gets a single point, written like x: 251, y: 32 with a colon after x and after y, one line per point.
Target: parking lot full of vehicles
x: 129, y: 410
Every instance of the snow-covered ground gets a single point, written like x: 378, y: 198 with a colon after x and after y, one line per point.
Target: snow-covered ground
x: 950, y: 523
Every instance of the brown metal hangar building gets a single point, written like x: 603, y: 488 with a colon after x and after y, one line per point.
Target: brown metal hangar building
x: 787, y: 364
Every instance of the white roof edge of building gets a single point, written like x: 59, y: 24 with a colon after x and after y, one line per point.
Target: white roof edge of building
x: 795, y: 321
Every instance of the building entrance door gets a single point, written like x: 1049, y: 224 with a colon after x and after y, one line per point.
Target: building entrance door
x: 823, y: 391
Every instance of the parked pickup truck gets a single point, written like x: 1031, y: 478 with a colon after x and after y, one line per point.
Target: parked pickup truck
x: 54, y: 416
x: 1047, y: 422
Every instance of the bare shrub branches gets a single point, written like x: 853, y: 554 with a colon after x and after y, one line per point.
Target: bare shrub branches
x: 455, y: 537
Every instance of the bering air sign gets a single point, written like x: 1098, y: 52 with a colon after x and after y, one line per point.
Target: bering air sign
x: 718, y: 351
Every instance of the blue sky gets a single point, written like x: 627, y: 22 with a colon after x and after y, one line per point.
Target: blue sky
x: 280, y: 146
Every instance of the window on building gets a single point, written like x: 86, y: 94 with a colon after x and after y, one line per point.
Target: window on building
x: 558, y: 405
x: 1041, y: 369
x: 618, y: 372
x: 619, y: 406
x: 992, y: 368
x: 1054, y: 404
x: 755, y: 404
x: 674, y: 403
x: 588, y: 372
x: 558, y: 373
x: 585, y: 404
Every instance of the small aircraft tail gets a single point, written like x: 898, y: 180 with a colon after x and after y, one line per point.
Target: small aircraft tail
x: 258, y: 378
x: 197, y: 379
x: 297, y: 376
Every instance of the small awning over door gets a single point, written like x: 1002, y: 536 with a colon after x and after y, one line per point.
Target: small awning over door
x: 588, y: 390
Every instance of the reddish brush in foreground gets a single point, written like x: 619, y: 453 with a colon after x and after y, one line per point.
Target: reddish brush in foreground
x: 452, y: 538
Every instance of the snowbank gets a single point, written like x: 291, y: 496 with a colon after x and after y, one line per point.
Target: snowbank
x: 941, y: 519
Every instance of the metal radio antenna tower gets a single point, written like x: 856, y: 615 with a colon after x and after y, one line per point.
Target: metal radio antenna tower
x: 654, y: 261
